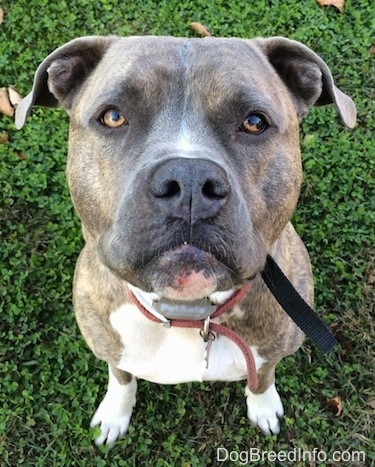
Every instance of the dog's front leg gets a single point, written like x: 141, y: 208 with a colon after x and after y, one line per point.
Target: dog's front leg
x: 264, y: 406
x: 114, y: 412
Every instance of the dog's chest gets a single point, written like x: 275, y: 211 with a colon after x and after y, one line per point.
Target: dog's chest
x: 174, y: 355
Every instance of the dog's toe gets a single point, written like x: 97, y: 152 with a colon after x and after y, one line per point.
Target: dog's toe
x: 265, y: 410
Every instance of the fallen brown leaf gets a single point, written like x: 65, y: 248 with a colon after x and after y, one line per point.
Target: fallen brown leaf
x: 4, y: 137
x: 5, y: 107
x: 372, y: 49
x: 14, y: 97
x: 371, y: 404
x: 200, y: 29
x: 1, y: 16
x: 339, y: 4
x: 336, y: 404
x: 21, y: 156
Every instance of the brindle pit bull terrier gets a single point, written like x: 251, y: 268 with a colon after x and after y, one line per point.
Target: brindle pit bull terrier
x: 184, y: 167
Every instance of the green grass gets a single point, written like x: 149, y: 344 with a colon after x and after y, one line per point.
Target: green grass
x: 50, y: 383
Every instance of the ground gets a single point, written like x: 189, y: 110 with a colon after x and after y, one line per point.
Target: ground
x: 50, y: 382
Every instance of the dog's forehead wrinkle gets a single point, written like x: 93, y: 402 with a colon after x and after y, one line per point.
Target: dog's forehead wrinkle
x: 184, y: 60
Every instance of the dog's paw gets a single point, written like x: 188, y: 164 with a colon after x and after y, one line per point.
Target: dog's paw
x: 114, y: 413
x: 112, y: 425
x: 265, y: 410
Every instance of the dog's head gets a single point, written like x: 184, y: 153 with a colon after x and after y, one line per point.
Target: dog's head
x: 184, y: 161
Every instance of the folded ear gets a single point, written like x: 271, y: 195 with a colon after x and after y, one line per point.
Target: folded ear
x: 307, y: 77
x: 62, y: 73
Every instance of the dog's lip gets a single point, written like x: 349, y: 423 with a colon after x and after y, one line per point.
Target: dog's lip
x: 165, y: 309
x: 193, y: 252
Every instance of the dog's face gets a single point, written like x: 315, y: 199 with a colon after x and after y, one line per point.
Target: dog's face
x: 182, y: 153
x: 184, y: 162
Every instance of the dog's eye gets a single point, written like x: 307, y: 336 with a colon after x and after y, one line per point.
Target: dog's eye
x: 113, y: 118
x: 254, y: 124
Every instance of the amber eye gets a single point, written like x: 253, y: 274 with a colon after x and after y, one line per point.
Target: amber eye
x: 254, y: 124
x: 113, y: 118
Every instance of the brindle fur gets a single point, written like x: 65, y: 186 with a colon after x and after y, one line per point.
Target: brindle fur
x: 205, y: 88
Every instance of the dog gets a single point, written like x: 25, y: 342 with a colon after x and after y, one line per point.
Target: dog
x: 184, y: 167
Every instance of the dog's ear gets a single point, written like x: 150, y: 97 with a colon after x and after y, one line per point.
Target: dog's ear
x: 62, y: 73
x: 307, y: 77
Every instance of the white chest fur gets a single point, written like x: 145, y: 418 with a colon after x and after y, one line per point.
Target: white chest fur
x: 174, y: 355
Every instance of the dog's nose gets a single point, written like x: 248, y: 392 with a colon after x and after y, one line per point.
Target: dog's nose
x: 189, y: 189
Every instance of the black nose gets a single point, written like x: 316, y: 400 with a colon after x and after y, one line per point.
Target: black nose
x: 189, y: 189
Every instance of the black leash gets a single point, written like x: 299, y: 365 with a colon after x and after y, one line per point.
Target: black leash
x: 296, y: 307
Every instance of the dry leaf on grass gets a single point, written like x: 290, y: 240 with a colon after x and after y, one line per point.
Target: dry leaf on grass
x: 4, y: 137
x: 372, y: 49
x: 14, y: 97
x: 21, y: 156
x: 371, y: 404
x: 339, y: 4
x: 336, y: 404
x: 1, y: 16
x: 5, y: 106
x: 200, y: 29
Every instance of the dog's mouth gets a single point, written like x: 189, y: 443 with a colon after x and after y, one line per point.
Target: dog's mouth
x: 185, y: 278
x: 187, y: 284
x: 188, y: 274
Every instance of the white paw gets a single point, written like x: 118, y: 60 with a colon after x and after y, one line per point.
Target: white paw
x: 114, y: 412
x: 112, y: 426
x: 265, y: 410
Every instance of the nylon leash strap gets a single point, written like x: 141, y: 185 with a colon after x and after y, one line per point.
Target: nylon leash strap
x: 296, y: 307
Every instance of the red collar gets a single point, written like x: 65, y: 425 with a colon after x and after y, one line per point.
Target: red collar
x: 208, y: 329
